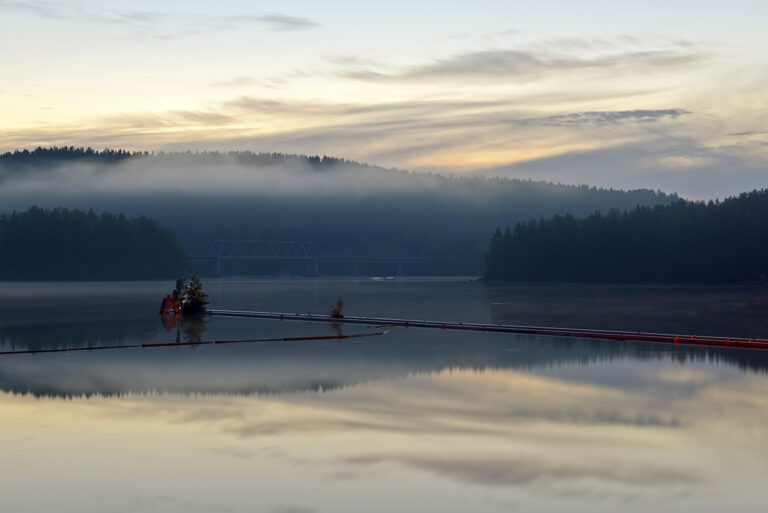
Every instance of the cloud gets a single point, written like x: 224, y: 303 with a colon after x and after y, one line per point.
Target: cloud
x: 748, y: 133
x: 419, y: 133
x: 144, y: 17
x: 200, y: 22
x: 612, y: 43
x: 405, y: 133
x: 164, y: 25
x: 525, y: 64
x: 469, y: 440
x: 283, y: 22
x: 41, y: 9
x: 308, y: 127
x: 700, y: 172
x: 513, y: 470
x: 173, y: 118
x: 673, y: 162
x: 603, y: 117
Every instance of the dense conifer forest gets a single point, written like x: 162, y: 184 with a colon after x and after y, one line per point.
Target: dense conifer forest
x: 61, y: 244
x: 694, y: 242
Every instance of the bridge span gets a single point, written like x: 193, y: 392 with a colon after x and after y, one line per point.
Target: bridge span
x: 227, y: 256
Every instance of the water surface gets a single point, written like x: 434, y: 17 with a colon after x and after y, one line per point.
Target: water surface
x: 415, y: 420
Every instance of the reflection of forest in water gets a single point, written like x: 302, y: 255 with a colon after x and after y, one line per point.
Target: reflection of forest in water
x: 94, y: 314
x: 69, y: 324
x: 286, y: 367
x: 92, y: 332
x: 78, y: 333
x: 724, y: 311
x: 188, y: 329
x: 712, y: 310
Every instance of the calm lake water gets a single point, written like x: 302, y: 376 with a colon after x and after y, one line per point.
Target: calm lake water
x: 415, y: 420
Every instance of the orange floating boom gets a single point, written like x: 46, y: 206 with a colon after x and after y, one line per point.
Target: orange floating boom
x: 633, y: 336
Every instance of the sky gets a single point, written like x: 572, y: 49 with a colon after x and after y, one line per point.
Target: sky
x: 661, y: 94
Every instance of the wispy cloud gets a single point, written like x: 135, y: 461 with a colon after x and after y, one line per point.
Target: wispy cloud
x: 748, y: 133
x: 169, y: 119
x: 143, y: 20
x: 506, y: 63
x: 666, y: 162
x: 162, y: 24
x: 404, y: 133
x: 612, y: 44
x: 284, y: 22
x: 509, y: 471
x: 42, y: 9
x: 603, y: 117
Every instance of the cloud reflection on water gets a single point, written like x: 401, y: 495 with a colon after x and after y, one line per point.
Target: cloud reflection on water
x: 529, y: 437
x: 424, y: 422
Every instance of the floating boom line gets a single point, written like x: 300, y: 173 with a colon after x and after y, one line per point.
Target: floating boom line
x: 196, y: 343
x: 382, y: 323
x: 629, y: 336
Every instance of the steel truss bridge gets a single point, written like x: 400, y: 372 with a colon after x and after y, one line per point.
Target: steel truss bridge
x: 222, y: 251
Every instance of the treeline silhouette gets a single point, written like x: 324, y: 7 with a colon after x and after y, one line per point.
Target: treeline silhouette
x: 685, y: 241
x: 61, y: 244
x: 56, y: 155
x: 344, y: 207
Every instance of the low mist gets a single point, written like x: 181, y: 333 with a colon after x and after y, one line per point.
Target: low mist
x: 343, y: 207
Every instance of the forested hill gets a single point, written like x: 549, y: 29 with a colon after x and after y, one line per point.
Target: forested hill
x: 62, y: 244
x: 691, y: 242
x: 345, y: 208
x: 55, y: 156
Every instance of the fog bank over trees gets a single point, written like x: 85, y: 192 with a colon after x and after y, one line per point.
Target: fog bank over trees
x: 343, y: 207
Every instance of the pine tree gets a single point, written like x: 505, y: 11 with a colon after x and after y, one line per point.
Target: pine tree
x: 194, y: 299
